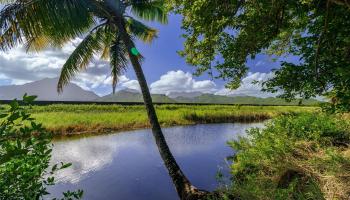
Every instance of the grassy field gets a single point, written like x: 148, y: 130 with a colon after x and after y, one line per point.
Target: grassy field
x: 94, y: 119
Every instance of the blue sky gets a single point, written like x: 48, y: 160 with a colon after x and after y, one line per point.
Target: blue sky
x: 161, y: 56
x: 165, y: 70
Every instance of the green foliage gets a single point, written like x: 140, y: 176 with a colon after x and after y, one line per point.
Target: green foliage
x: 223, y: 35
x: 339, y: 102
x: 149, y: 10
x: 25, y: 152
x: 23, y: 22
x: 303, y: 156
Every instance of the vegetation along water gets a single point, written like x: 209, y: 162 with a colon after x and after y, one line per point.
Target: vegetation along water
x: 92, y: 119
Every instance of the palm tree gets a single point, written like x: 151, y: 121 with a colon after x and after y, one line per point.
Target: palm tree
x: 109, y: 28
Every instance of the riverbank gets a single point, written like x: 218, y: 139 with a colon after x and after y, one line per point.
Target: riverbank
x: 303, y: 156
x: 65, y: 120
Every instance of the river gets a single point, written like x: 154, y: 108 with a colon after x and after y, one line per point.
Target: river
x: 127, y: 166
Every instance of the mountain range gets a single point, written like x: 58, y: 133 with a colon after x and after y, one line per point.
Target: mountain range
x: 46, y: 91
x: 129, y: 95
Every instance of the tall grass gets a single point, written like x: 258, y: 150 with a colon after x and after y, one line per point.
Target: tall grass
x: 302, y: 156
x: 75, y: 119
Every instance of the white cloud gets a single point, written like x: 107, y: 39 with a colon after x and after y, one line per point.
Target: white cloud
x: 179, y: 81
x: 248, y: 87
x: 102, y: 84
x: 71, y: 46
x: 89, y: 81
x: 19, y: 67
x: 130, y: 84
x: 260, y: 63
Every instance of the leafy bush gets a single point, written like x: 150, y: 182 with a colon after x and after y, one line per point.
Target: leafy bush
x: 25, y: 152
x: 303, y: 156
x: 339, y: 102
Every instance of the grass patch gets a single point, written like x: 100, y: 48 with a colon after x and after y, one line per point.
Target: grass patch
x: 78, y: 119
x: 298, y: 156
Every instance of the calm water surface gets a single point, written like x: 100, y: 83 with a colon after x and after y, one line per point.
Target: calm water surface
x: 127, y: 166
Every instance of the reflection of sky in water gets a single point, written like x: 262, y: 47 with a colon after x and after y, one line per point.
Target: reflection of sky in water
x: 128, y: 166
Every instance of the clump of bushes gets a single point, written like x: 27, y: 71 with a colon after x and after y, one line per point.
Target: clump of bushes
x: 25, y: 152
x: 297, y: 156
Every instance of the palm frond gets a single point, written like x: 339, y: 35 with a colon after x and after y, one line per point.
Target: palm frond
x: 150, y: 10
x: 59, y: 20
x: 140, y: 30
x: 118, y: 60
x: 37, y: 44
x: 81, y: 56
x: 10, y: 33
x: 110, y: 33
x: 105, y: 53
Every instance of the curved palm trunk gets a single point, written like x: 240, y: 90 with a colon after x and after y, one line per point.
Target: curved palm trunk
x: 183, y: 186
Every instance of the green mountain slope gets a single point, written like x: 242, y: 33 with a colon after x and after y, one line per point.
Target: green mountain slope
x: 211, y: 98
x: 134, y: 96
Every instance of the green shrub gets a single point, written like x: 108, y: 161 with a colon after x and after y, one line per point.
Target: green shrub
x: 299, y: 156
x: 25, y: 152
